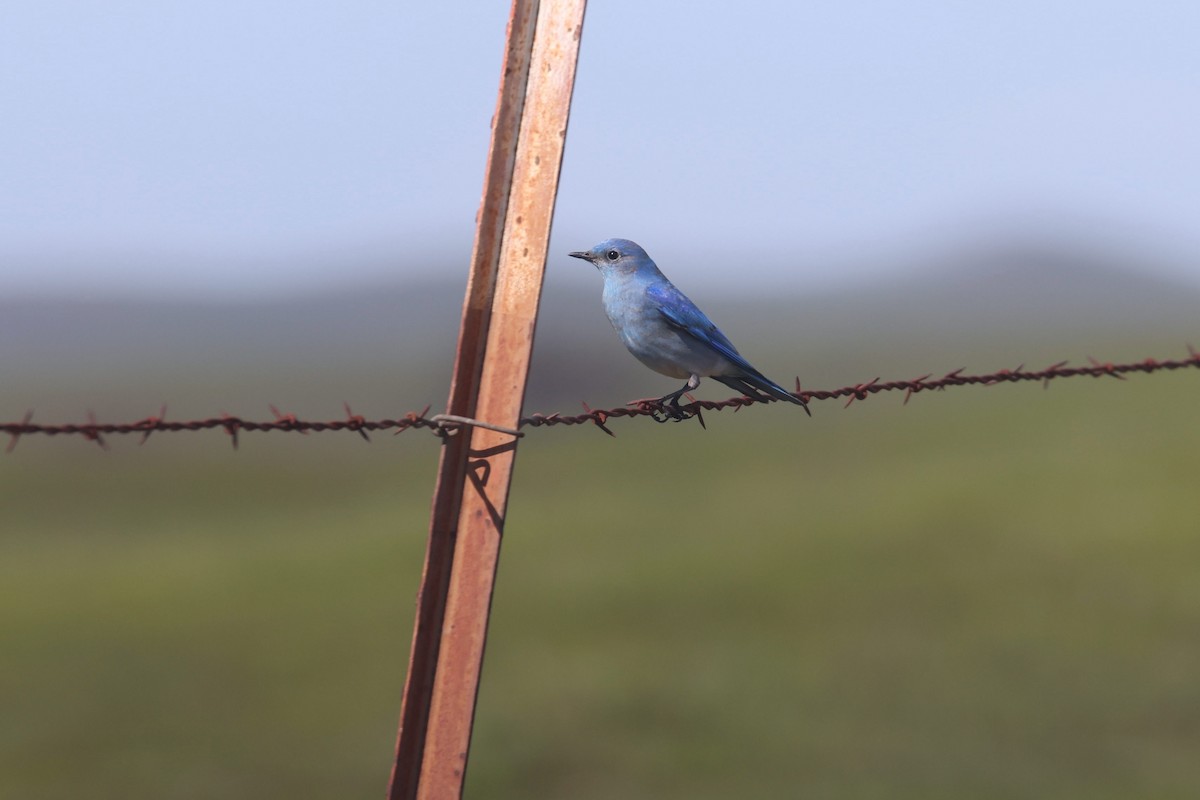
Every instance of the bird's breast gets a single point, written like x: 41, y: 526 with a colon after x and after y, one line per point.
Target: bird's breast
x: 646, y: 334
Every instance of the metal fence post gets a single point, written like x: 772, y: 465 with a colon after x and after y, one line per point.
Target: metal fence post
x: 495, y: 343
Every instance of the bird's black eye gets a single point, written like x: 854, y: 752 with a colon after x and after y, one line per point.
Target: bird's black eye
x: 612, y: 255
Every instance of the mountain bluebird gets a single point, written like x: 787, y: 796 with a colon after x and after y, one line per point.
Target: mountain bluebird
x: 666, y: 331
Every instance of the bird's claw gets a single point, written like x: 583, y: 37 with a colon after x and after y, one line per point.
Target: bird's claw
x: 664, y: 409
x: 666, y: 414
x: 670, y: 412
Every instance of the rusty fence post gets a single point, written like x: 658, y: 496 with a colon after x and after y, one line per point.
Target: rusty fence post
x: 490, y: 370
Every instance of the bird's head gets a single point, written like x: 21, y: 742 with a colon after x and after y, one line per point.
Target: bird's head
x: 615, y: 255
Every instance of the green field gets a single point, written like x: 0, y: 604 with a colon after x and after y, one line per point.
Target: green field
x: 989, y: 593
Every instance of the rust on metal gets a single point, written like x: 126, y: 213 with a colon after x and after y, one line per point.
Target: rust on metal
x: 491, y: 366
x: 435, y: 577
x: 442, y: 424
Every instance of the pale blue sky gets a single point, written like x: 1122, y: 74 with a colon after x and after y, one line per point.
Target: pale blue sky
x: 190, y: 147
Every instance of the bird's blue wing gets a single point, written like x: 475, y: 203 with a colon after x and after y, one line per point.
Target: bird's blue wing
x: 682, y: 314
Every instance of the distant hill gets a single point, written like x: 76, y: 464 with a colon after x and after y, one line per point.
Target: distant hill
x: 1027, y: 301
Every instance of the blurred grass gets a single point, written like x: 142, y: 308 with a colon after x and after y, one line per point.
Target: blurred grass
x: 987, y: 593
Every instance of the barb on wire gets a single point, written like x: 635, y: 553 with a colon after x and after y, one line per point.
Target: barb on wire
x: 444, y: 425
x: 356, y: 422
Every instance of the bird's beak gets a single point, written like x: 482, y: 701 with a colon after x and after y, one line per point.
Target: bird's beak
x: 580, y: 254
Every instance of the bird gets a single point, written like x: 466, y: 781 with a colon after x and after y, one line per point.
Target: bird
x: 667, y: 332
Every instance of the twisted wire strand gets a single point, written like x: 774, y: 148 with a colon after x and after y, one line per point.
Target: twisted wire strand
x: 444, y: 425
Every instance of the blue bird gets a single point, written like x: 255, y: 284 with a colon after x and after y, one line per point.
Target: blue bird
x: 666, y: 331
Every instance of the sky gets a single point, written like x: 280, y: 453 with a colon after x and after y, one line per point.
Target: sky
x: 223, y: 149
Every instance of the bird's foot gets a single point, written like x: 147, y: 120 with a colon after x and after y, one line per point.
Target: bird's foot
x: 664, y: 409
x: 670, y: 413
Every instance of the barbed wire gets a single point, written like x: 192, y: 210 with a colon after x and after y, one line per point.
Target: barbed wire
x: 446, y: 425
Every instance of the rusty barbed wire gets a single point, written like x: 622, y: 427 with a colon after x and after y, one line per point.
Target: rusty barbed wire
x: 443, y: 425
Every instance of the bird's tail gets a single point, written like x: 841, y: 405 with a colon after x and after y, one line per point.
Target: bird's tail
x: 756, y: 385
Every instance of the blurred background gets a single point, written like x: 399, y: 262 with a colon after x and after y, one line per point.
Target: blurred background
x: 987, y: 592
